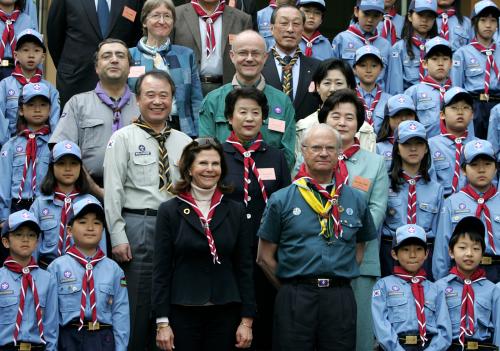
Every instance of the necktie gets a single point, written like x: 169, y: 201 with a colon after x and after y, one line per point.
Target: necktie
x: 209, y: 21
x: 287, y: 64
x: 18, y: 74
x: 490, y: 63
x: 444, y: 32
x: 389, y: 28
x: 411, y: 216
x: 103, y: 16
x: 115, y: 105
x: 27, y: 281
x: 458, y: 141
x: 441, y: 88
x: 369, y: 110
x: 309, y: 42
x: 67, y: 200
x: 420, y: 44
x: 8, y: 35
x: 358, y: 34
x: 87, y: 282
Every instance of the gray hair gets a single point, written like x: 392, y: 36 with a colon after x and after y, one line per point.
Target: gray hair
x: 322, y: 126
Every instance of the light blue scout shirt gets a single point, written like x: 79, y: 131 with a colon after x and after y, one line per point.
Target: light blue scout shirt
x: 289, y: 222
x: 321, y: 48
x: 459, y: 34
x: 111, y: 295
x: 398, y: 22
x: 394, y: 312
x: 494, y: 130
x: 264, y: 25
x: 23, y: 22
x: 378, y: 113
x: 10, y: 288
x: 384, y: 149
x: 486, y: 307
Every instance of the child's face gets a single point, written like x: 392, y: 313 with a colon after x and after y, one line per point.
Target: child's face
x: 314, y: 18
x: 438, y: 66
x: 404, y: 115
x: 368, y: 69
x: 445, y: 3
x: 86, y: 231
x: 422, y: 22
x: 67, y: 170
x: 457, y: 116
x: 368, y: 20
x: 410, y: 257
x: 389, y: 3
x: 467, y: 254
x: 21, y: 242
x: 334, y: 80
x: 413, y: 151
x: 480, y: 173
x: 36, y: 112
x: 486, y: 27
x: 29, y: 56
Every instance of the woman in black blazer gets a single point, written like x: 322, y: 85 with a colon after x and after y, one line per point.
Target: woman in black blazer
x: 203, y: 291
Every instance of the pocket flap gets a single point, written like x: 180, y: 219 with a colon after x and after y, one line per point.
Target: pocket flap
x: 90, y: 123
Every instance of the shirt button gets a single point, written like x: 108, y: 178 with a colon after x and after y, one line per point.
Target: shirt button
x: 249, y: 216
x: 249, y: 198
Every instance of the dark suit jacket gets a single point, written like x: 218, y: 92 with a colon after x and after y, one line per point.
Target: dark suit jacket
x: 247, y: 6
x: 183, y: 269
x: 187, y: 33
x: 305, y: 102
x: 73, y: 36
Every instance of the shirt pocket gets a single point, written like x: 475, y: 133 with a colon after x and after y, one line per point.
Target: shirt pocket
x: 105, y: 297
x: 393, y: 214
x: 428, y: 112
x: 348, y: 56
x: 482, y: 310
x: 145, y: 171
x: 8, y: 309
x: 398, y: 309
x: 91, y: 136
x: 474, y: 71
x: 454, y: 306
x: 50, y: 232
x: 411, y: 69
x: 17, y: 168
x: 430, y: 313
x: 462, y: 37
x: 427, y: 211
x: 350, y: 226
x: 69, y: 297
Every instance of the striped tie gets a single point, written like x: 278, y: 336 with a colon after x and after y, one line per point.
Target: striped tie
x: 411, y: 217
x: 287, y: 64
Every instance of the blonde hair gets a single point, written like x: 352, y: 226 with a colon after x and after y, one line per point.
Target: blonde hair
x: 150, y: 5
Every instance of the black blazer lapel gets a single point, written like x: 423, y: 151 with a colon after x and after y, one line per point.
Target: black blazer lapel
x: 116, y: 11
x: 187, y: 212
x: 220, y: 215
x: 305, y: 77
x: 270, y: 73
x: 91, y: 11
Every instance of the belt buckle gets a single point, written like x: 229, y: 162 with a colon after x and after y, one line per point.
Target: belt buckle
x: 5, y: 63
x: 484, y: 97
x: 323, y: 283
x: 486, y: 261
x: 472, y: 345
x: 410, y: 340
x: 24, y: 346
x: 92, y: 327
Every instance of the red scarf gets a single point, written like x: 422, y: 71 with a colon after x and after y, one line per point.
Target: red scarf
x: 358, y: 34
x: 310, y: 41
x: 369, y: 110
x: 26, y: 281
x: 417, y: 290
x: 458, y: 152
x: 389, y: 27
x: 490, y: 63
x: 272, y: 3
x: 18, y: 74
x: 467, y: 308
x: 428, y: 80
x: 341, y: 173
x: 482, y: 207
x: 31, y: 158
x: 411, y: 216
x: 67, y: 199
x: 445, y: 14
x: 205, y: 222
x: 248, y: 163
x: 8, y: 35
x: 87, y: 281
x: 420, y: 44
x: 209, y: 21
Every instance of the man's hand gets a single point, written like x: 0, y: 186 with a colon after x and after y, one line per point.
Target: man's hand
x: 122, y: 253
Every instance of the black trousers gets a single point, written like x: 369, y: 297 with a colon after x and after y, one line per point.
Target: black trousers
x: 492, y: 272
x: 481, y: 120
x: 308, y: 318
x: 265, y: 295
x: 205, y: 328
x: 70, y: 339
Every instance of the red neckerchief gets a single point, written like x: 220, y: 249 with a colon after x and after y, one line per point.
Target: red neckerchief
x: 309, y: 42
x: 490, y: 63
x: 357, y: 33
x: 341, y: 173
x: 428, y: 80
x: 467, y: 308
x: 8, y: 35
x: 209, y: 21
x: 411, y: 216
x: 482, y: 207
x: 458, y: 141
x: 67, y: 199
x: 445, y: 14
x: 205, y: 222
x: 248, y: 163
x: 417, y: 290
x: 27, y: 281
x: 272, y: 3
x: 87, y: 281
x: 369, y: 110
x: 31, y: 158
x: 389, y: 26
x: 391, y: 139
x: 420, y: 44
x: 18, y: 74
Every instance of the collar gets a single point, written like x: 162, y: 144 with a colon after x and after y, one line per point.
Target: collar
x: 227, y: 147
x: 282, y: 54
x: 371, y: 93
x: 112, y: 98
x: 261, y: 84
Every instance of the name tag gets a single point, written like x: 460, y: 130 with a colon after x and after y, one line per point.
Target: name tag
x: 276, y: 124
x: 129, y: 14
x: 267, y: 173
x: 136, y: 71
x: 361, y: 183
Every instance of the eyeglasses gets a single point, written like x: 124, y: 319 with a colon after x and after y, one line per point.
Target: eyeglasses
x: 245, y: 54
x: 207, y: 141
x: 161, y: 16
x: 465, y: 108
x: 319, y: 148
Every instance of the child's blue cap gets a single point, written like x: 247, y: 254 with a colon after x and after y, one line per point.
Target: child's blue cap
x: 32, y: 90
x: 64, y: 148
x: 368, y: 50
x: 475, y: 148
x: 423, y: 5
x: 409, y: 129
x: 319, y: 3
x: 480, y: 6
x: 408, y: 231
x: 86, y: 202
x: 468, y: 224
x: 437, y: 43
x: 454, y: 93
x: 398, y: 103
x: 18, y: 219
x: 371, y: 5
x: 30, y: 35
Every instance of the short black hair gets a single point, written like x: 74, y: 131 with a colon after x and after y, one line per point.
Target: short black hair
x: 334, y: 64
x: 245, y: 93
x: 112, y: 41
x: 275, y: 13
x: 339, y: 97
x: 474, y: 235
x: 161, y: 75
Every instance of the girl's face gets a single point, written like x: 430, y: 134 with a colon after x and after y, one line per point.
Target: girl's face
x: 388, y: 4
x: 36, y: 112
x: 333, y: 81
x: 404, y: 115
x: 368, y: 69
x: 480, y: 173
x: 368, y: 20
x: 444, y: 4
x: 422, y: 22
x: 486, y: 27
x: 67, y: 170
x: 412, y: 152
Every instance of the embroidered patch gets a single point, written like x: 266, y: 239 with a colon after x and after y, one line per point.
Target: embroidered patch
x: 376, y: 293
x: 4, y: 286
x: 45, y: 211
x: 123, y: 282
x: 278, y: 110
x: 19, y: 148
x: 11, y: 92
x: 67, y: 274
x: 395, y: 288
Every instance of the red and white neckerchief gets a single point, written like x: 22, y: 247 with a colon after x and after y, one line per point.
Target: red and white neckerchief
x: 87, y: 282
x: 31, y: 158
x: 209, y: 21
x: 482, y: 207
x: 341, y: 173
x: 205, y: 221
x: 18, y: 74
x: 358, y: 34
x: 369, y: 110
x: 272, y: 3
x: 444, y: 32
x: 411, y: 216
x: 26, y: 281
x: 248, y: 163
x: 417, y: 290
x: 67, y: 199
x: 309, y: 42
x: 428, y: 80
x: 420, y: 44
x: 458, y: 141
x: 467, y: 307
x: 8, y: 35
x: 490, y: 63
x: 389, y: 28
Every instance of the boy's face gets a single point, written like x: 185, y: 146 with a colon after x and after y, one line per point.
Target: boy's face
x: 438, y: 66
x: 368, y: 20
x: 457, y: 116
x: 480, y: 173
x: 86, y: 231
x: 487, y: 26
x: 21, y: 242
x: 314, y: 18
x: 404, y: 115
x: 410, y: 257
x: 368, y: 69
x: 467, y: 254
x: 29, y: 56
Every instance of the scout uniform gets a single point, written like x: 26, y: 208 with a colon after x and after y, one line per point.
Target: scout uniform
x: 317, y: 46
x: 391, y: 26
x: 494, y: 130
x: 89, y: 319
x: 450, y: 28
x: 34, y: 315
x: 264, y: 23
x: 397, y: 318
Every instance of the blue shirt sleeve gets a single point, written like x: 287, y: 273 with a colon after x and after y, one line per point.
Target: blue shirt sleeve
x: 270, y: 228
x: 120, y: 312
x: 441, y: 258
x: 51, y: 316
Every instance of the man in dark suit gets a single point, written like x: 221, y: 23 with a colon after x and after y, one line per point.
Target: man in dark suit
x: 247, y: 6
x: 286, y: 68
x: 74, y: 30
